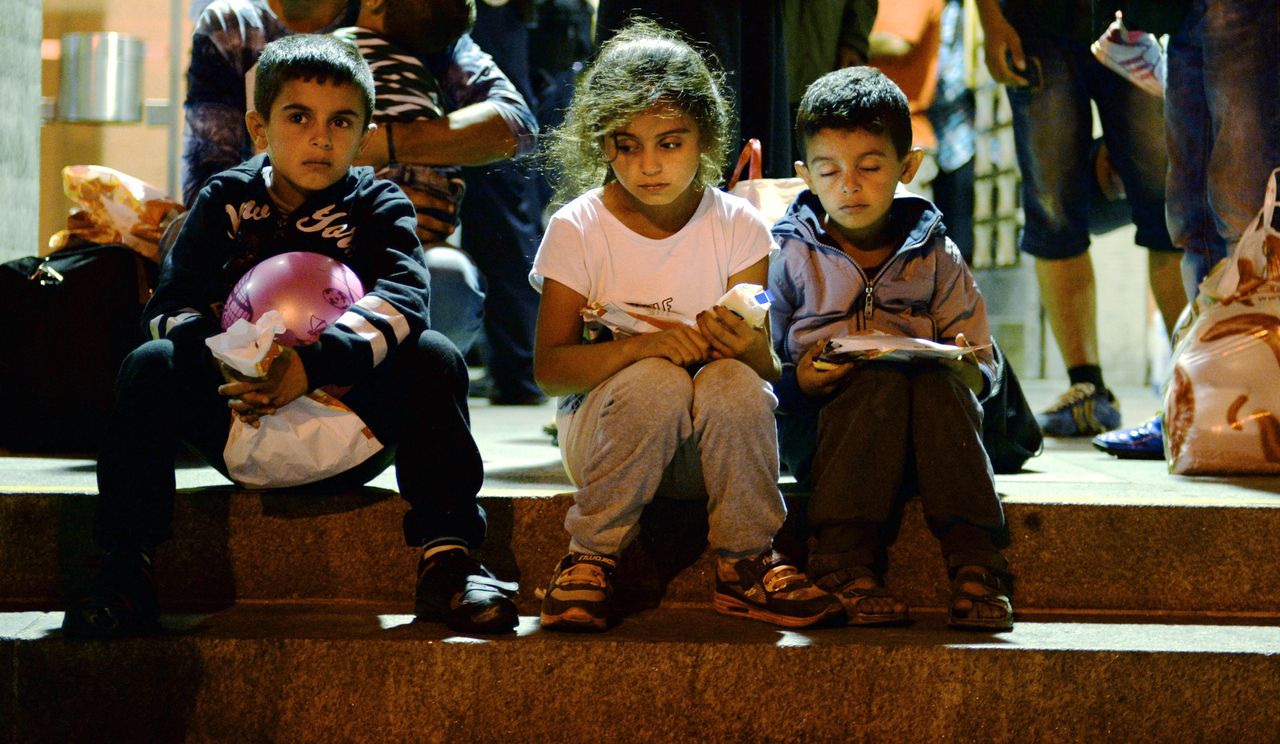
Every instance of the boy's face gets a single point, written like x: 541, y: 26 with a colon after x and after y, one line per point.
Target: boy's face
x: 854, y: 174
x: 313, y: 133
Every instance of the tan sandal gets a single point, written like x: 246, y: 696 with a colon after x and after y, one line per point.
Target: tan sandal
x: 996, y: 595
x: 842, y: 585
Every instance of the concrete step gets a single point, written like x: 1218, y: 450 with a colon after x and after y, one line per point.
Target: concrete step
x: 361, y: 673
x: 1092, y: 552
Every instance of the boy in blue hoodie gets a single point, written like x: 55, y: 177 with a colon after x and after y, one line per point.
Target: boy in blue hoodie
x: 313, y: 101
x: 860, y: 255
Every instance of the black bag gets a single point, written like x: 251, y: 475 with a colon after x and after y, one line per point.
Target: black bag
x: 1009, y: 429
x: 69, y: 320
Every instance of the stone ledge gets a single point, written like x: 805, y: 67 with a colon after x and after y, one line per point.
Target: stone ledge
x: 357, y: 674
x: 281, y: 546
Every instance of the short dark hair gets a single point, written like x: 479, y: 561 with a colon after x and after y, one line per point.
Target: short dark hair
x: 316, y: 57
x: 854, y: 98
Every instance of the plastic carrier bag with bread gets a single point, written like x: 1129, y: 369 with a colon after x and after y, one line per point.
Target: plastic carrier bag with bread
x: 1222, y: 405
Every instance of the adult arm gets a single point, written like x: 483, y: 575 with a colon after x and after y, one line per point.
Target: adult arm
x: 901, y: 26
x: 489, y: 120
x: 214, y: 136
x: 1002, y: 46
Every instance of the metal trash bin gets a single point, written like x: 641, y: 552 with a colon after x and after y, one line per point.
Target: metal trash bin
x: 101, y: 78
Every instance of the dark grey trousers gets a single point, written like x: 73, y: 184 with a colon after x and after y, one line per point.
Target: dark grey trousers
x: 891, y: 432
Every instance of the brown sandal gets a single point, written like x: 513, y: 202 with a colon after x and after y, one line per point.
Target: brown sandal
x: 996, y: 595
x: 841, y: 585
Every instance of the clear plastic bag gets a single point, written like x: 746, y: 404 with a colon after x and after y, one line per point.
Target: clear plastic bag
x: 114, y: 207
x: 1223, y: 401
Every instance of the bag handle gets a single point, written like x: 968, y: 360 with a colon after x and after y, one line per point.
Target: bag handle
x: 750, y: 159
x: 1269, y: 202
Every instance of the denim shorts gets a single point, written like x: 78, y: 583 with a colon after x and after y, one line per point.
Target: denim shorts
x: 1053, y: 131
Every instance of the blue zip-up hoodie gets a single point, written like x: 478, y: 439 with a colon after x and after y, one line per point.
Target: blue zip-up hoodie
x: 923, y: 290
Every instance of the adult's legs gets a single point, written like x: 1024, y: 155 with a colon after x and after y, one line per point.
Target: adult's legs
x: 1053, y: 138
x: 1132, y: 122
x: 1164, y: 272
x: 457, y: 296
x: 1052, y: 131
x: 1068, y: 292
x: 1222, y: 121
x: 953, y: 194
x: 501, y: 229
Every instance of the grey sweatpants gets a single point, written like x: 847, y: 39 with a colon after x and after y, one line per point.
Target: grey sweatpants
x: 652, y: 429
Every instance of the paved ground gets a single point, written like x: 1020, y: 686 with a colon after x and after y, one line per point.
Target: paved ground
x: 520, y: 460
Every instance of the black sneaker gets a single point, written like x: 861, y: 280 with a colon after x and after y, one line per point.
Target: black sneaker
x: 766, y: 588
x: 457, y: 590
x: 577, y: 598
x: 121, y: 600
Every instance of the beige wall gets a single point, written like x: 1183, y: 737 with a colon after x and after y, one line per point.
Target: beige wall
x: 19, y: 126
x: 137, y: 149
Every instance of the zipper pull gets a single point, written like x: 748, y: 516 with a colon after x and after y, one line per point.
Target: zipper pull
x: 869, y: 305
x: 46, y: 275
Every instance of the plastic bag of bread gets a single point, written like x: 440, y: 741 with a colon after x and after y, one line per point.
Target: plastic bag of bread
x: 1222, y: 405
x: 114, y: 207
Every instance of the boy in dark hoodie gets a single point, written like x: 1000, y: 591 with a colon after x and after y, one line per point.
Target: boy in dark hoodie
x: 861, y: 255
x: 313, y: 102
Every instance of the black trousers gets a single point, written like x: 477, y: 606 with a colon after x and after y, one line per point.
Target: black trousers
x: 415, y: 402
x: 890, y: 432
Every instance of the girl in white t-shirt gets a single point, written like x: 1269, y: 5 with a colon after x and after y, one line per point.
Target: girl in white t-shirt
x: 687, y: 410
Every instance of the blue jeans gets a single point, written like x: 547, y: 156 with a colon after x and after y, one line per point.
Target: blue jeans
x: 1223, y: 123
x: 1053, y: 132
x: 457, y: 296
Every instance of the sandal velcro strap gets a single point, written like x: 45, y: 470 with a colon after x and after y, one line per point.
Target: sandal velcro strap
x: 989, y: 579
x: 783, y: 577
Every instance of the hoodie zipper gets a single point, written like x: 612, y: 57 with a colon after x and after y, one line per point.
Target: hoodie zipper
x: 868, y: 301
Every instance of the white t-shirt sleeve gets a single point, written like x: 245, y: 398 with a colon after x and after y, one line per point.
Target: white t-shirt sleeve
x: 751, y: 239
x: 562, y: 256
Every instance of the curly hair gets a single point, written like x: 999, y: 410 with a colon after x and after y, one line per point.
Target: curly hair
x: 644, y: 66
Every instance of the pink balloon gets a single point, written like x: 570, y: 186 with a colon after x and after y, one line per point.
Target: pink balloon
x: 309, y: 289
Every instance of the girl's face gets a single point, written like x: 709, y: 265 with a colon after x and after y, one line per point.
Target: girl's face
x: 655, y: 156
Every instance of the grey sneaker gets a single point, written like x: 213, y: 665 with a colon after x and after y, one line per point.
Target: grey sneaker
x: 1082, y: 411
x: 769, y: 589
x: 577, y: 599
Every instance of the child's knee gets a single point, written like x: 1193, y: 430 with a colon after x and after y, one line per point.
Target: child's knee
x: 430, y: 356
x: 731, y: 383
x: 940, y: 388
x: 151, y: 359
x: 659, y: 379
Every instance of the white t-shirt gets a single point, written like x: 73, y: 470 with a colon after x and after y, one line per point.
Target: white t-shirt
x: 587, y: 249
